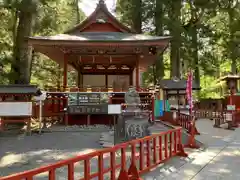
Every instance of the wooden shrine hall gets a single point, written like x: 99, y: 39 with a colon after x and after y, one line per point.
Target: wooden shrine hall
x: 104, y: 52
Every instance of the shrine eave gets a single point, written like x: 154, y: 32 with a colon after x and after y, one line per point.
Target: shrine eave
x: 229, y: 77
x: 100, y: 38
x: 169, y: 84
x: 18, y: 89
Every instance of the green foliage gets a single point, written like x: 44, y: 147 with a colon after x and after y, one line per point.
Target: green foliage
x: 209, y: 40
x: 51, y: 17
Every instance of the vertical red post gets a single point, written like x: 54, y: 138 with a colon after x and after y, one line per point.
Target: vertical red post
x: 160, y: 147
x: 112, y: 165
x: 71, y: 171
x: 137, y: 74
x: 141, y: 160
x: 148, y: 154
x: 154, y: 150
x: 52, y: 174
x: 87, y: 169
x: 165, y: 146
x: 100, y: 167
x: 65, y: 71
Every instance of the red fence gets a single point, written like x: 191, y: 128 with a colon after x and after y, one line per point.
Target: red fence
x: 180, y: 119
x: 220, y: 117
x: 184, y: 120
x: 143, y: 155
x: 52, y: 106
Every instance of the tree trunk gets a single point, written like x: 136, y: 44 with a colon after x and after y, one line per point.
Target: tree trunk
x: 195, y: 54
x: 159, y: 14
x: 22, y: 52
x: 175, y: 32
x: 232, y: 45
x: 77, y: 12
x: 137, y: 16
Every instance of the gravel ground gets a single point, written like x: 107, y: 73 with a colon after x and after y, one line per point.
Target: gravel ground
x: 27, y: 152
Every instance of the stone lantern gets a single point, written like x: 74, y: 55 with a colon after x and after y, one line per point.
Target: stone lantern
x: 232, y: 83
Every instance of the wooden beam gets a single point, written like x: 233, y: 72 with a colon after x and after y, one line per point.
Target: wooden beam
x: 109, y: 72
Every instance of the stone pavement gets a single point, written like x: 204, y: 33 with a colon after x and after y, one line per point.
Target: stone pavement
x: 219, y: 161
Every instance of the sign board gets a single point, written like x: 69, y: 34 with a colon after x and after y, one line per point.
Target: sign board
x: 95, y: 109
x: 114, y: 109
x: 88, y: 109
x: 87, y: 98
x: 231, y: 107
x: 8, y: 109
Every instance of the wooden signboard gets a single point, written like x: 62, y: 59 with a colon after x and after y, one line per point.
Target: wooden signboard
x: 86, y: 98
x: 88, y: 109
x: 95, y: 109
x: 231, y: 107
x: 8, y: 109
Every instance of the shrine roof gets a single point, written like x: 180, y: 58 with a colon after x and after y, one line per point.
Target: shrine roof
x: 101, y: 37
x: 19, y: 89
x: 230, y: 76
x: 101, y: 12
x: 170, y: 84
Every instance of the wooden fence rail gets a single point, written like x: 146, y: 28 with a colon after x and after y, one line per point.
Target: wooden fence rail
x: 145, y: 154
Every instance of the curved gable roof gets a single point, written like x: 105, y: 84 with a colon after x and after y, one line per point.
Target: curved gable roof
x: 100, y: 9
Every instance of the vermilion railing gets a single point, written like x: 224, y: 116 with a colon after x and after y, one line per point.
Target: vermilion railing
x: 207, y: 114
x: 185, y: 121
x: 219, y: 117
x: 94, y: 89
x: 136, y: 157
x: 180, y: 119
x: 52, y: 106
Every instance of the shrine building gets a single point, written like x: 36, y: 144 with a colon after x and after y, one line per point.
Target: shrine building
x: 104, y: 52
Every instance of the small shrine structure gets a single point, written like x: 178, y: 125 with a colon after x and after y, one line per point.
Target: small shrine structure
x: 232, y: 84
x: 174, y: 90
x: 16, y: 104
x: 231, y: 90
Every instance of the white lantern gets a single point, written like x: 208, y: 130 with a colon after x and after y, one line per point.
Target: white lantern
x: 174, y: 115
x: 42, y: 97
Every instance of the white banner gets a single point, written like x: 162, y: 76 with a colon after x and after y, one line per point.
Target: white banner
x: 15, y: 108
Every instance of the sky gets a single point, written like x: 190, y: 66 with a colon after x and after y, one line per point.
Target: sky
x: 88, y: 6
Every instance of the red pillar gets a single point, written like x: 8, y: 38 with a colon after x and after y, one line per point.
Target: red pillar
x: 131, y: 79
x: 65, y: 72
x: 137, y: 74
